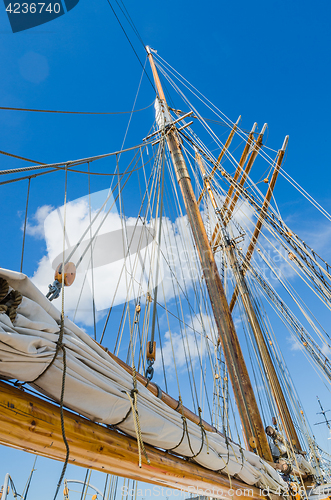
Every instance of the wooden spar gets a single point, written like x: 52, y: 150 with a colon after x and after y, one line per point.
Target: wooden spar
x: 241, y: 288
x: 242, y: 161
x: 246, y: 402
x: 254, y: 153
x: 225, y: 148
x: 261, y: 217
x: 34, y: 425
x: 228, y: 212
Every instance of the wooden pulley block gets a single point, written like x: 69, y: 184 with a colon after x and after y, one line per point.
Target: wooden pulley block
x: 69, y: 273
x: 151, y: 355
x: 252, y: 442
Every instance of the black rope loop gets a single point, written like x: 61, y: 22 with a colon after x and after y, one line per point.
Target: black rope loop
x: 132, y: 392
x: 228, y: 459
x: 59, y: 345
x: 203, y: 433
x: 183, y: 435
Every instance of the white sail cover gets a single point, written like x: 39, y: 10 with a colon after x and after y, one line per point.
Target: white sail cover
x: 96, y: 387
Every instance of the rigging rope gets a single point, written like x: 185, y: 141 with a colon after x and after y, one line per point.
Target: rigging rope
x: 25, y: 221
x: 75, y: 113
x: 63, y: 165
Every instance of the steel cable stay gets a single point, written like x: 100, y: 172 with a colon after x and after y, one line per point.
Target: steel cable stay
x: 281, y: 368
x: 269, y: 243
x: 295, y: 296
x: 302, y: 249
x: 149, y: 184
x: 294, y: 325
x: 240, y: 131
x: 282, y: 371
x: 184, y: 335
x: 54, y: 289
x: 260, y: 370
x: 272, y: 267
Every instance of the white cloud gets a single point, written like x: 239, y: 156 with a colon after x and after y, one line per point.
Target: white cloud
x: 186, y: 347
x: 295, y: 345
x: 326, y: 349
x: 116, y: 279
x: 36, y: 229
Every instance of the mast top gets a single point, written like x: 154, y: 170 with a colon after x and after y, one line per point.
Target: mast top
x: 149, y: 50
x: 284, y: 146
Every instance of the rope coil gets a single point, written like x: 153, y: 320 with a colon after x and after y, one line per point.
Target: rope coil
x: 9, y: 302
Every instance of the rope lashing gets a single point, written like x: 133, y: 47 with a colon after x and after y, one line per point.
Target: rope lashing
x: 9, y: 302
x: 16, y: 301
x: 4, y: 288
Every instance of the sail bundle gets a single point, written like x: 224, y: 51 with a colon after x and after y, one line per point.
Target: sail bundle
x: 98, y: 388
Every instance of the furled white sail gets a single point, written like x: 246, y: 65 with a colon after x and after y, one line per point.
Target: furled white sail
x: 97, y: 387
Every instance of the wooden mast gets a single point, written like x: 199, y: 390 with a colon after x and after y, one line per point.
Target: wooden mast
x: 242, y: 288
x: 253, y: 429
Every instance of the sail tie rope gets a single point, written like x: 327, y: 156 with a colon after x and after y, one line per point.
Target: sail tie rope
x: 185, y: 432
x: 133, y: 398
x: 203, y: 437
x: 228, y: 459
x: 134, y: 408
x: 125, y: 417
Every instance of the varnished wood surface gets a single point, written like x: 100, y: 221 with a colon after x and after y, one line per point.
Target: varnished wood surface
x: 31, y: 424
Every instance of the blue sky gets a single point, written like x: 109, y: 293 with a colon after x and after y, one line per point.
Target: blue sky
x: 268, y: 61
